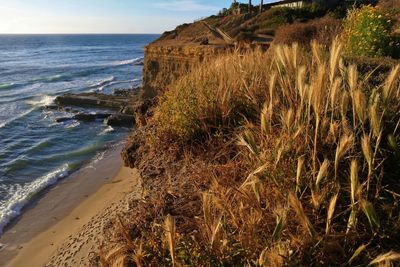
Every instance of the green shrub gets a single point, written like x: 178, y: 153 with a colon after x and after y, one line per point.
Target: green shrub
x: 367, y: 32
x: 212, y: 99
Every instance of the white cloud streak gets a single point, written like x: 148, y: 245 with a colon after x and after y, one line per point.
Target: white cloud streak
x: 185, y: 6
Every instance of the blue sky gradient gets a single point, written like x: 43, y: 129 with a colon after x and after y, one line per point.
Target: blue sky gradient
x: 102, y: 16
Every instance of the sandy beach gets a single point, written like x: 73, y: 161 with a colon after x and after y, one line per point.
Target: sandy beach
x: 63, y: 226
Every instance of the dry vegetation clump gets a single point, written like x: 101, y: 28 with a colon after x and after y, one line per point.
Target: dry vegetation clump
x: 378, y: 67
x: 247, y: 26
x: 294, y: 159
x: 389, y: 4
x: 323, y: 30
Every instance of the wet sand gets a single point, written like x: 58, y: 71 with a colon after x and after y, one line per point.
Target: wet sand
x: 64, y: 225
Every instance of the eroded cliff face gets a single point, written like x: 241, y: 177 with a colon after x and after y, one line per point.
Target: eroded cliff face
x: 164, y: 64
x: 177, y: 52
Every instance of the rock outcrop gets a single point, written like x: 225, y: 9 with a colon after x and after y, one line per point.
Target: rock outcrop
x: 112, y: 102
x: 120, y: 120
x: 114, y: 110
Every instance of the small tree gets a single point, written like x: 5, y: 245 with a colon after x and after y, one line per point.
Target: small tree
x: 261, y: 5
x: 250, y: 6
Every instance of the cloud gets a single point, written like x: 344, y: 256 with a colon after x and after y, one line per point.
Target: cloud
x: 185, y: 5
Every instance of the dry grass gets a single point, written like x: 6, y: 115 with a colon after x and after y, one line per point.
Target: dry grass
x: 310, y: 172
x: 324, y: 30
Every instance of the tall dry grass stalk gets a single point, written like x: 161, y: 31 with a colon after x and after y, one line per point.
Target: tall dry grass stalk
x: 170, y: 231
x: 354, y: 184
x: 387, y: 259
x: 345, y: 144
x: 300, y: 166
x: 323, y: 171
x: 368, y: 155
x: 331, y: 211
x: 334, y: 59
x: 389, y: 89
x: 301, y: 215
x: 211, y: 220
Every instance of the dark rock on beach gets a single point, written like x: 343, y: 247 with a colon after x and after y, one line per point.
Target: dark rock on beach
x: 93, y: 100
x: 118, y: 106
x: 52, y: 107
x: 85, y: 117
x: 120, y: 120
x: 64, y: 119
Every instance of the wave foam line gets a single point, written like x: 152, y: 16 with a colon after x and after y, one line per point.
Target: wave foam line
x: 103, y: 82
x: 107, y: 130
x: 135, y: 61
x: 117, y: 82
x: 72, y: 125
x: 21, y: 197
x: 43, y: 101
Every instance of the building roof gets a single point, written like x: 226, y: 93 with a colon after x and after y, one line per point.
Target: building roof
x: 281, y: 2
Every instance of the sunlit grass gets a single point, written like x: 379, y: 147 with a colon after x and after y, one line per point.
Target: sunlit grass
x: 312, y: 137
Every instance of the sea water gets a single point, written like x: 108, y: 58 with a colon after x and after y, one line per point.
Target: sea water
x: 35, y: 151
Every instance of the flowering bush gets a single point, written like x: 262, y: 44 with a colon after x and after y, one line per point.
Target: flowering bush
x: 367, y: 32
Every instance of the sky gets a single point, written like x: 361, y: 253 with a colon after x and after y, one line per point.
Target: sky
x: 102, y: 16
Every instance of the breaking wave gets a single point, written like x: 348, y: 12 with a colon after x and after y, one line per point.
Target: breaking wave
x: 43, y: 101
x: 23, y: 194
x: 135, y: 61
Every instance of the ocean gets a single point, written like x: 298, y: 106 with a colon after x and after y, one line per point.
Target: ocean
x: 35, y: 151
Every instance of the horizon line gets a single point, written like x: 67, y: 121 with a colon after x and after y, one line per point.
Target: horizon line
x: 79, y: 33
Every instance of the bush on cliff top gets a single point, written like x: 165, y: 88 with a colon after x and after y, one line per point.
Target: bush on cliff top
x: 210, y: 100
x: 368, y: 32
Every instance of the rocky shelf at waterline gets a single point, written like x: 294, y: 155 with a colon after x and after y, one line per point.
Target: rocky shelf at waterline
x: 114, y: 110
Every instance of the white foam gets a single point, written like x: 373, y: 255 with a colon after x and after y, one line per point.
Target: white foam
x: 96, y: 159
x: 72, y: 125
x: 102, y: 82
x: 109, y: 129
x: 43, y: 101
x: 134, y: 61
x: 23, y: 194
x: 55, y: 78
x: 117, y: 82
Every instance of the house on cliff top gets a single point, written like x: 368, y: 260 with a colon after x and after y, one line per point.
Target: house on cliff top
x: 301, y: 3
x: 243, y: 8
